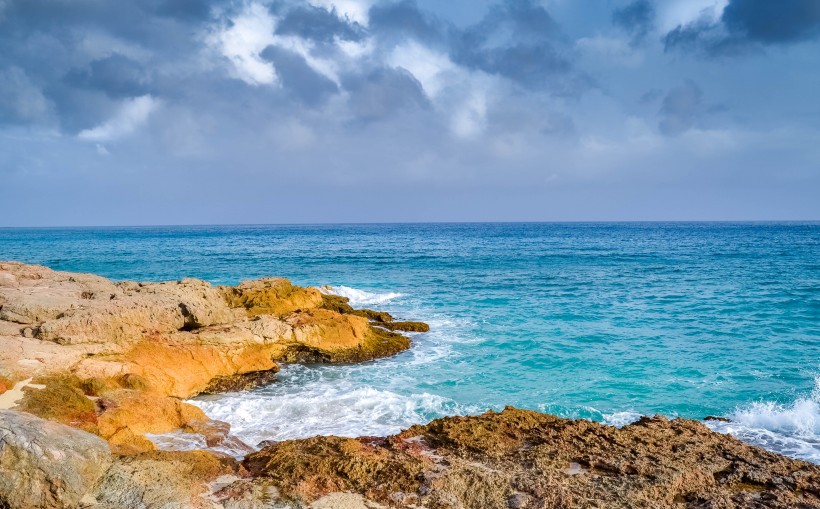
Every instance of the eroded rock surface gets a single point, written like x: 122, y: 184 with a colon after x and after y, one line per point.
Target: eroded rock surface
x: 523, y: 459
x: 44, y: 464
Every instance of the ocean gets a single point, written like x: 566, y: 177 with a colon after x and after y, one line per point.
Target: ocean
x: 602, y: 321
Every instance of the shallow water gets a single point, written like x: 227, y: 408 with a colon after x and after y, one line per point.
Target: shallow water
x: 600, y: 321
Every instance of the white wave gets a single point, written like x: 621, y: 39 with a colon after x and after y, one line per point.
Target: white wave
x: 791, y: 429
x: 360, y: 297
x: 621, y: 419
x: 325, y: 408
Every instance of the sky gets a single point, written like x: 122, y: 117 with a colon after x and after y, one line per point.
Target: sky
x: 149, y: 112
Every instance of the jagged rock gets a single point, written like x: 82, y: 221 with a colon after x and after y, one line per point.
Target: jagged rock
x: 47, y: 465
x: 524, y: 459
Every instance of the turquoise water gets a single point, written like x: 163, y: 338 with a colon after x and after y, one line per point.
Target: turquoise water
x: 600, y: 321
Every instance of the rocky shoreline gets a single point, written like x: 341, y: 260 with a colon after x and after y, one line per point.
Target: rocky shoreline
x: 90, y: 369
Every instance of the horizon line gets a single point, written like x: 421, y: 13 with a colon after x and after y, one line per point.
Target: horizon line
x: 409, y: 223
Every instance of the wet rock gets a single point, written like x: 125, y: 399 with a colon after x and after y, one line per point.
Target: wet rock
x: 241, y: 382
x: 47, y: 465
x: 406, y: 326
x: 715, y: 418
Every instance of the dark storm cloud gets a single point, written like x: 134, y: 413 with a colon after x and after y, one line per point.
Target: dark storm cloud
x: 680, y: 109
x: 21, y: 103
x: 519, y: 40
x: 298, y: 78
x: 318, y: 24
x: 636, y: 18
x: 384, y: 92
x: 773, y: 22
x: 116, y: 75
x: 749, y: 24
x: 402, y: 19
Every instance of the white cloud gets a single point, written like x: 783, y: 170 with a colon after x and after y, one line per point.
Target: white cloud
x: 682, y: 12
x: 429, y: 67
x: 354, y: 10
x: 243, y: 41
x: 132, y: 114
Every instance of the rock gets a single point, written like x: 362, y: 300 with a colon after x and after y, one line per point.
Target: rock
x: 60, y: 399
x: 164, y: 480
x: 325, y: 336
x: 275, y: 296
x: 405, y: 326
x: 342, y: 305
x: 524, y: 459
x: 241, y: 382
x: 47, y: 465
x: 127, y: 415
x: 715, y: 418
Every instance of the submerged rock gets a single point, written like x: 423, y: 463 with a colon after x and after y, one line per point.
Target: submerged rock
x: 47, y: 465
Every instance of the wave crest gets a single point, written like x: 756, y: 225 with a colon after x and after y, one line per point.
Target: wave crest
x: 360, y: 297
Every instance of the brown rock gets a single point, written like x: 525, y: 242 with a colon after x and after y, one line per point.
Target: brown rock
x: 128, y: 413
x: 530, y: 460
x: 405, y: 326
x: 61, y: 400
x: 275, y: 296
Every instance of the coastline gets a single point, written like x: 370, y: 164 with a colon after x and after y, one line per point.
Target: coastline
x: 118, y: 360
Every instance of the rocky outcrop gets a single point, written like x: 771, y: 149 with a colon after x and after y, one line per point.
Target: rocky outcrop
x: 522, y: 459
x: 115, y: 359
x: 47, y: 465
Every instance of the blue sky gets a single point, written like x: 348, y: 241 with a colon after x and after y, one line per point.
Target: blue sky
x: 255, y: 111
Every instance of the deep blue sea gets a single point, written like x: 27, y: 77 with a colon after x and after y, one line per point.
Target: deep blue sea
x: 601, y: 321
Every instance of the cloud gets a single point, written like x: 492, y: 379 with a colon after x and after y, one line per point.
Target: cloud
x: 319, y: 24
x: 404, y: 19
x: 769, y: 22
x: 383, y: 93
x: 353, y: 10
x: 298, y: 77
x: 242, y: 41
x: 745, y: 25
x: 520, y: 41
x: 132, y: 114
x: 21, y: 101
x: 680, y: 109
x: 116, y: 75
x: 637, y: 18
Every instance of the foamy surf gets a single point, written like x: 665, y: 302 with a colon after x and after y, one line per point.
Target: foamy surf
x: 335, y: 407
x: 360, y: 297
x: 790, y: 429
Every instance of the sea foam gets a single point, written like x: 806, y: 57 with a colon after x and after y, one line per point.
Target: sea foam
x: 360, y: 297
x: 323, y: 407
x: 792, y: 429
